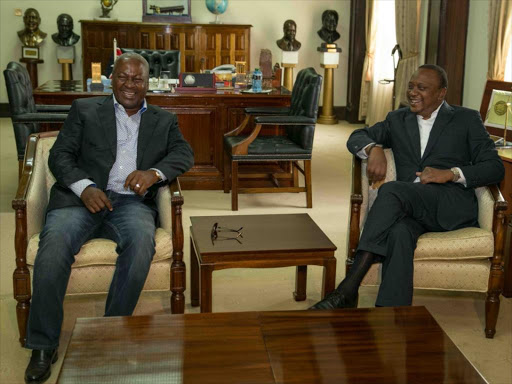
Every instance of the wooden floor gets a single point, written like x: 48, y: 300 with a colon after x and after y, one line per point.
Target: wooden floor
x: 366, y: 345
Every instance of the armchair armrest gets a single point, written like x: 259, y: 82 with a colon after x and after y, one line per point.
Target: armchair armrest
x: 39, y: 118
x: 283, y: 111
x: 53, y: 108
x: 285, y: 120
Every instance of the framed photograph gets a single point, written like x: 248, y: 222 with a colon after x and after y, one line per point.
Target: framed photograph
x: 30, y: 52
x: 166, y: 11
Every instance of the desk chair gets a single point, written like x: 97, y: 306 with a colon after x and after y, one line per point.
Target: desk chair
x: 467, y: 259
x: 296, y: 145
x: 26, y: 116
x: 159, y: 60
x: 95, y: 263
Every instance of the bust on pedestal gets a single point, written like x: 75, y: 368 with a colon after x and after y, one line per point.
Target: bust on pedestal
x: 289, y: 52
x: 329, y: 60
x: 31, y: 37
x: 66, y: 39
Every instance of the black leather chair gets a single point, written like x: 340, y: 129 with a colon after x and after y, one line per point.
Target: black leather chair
x: 26, y: 116
x: 159, y: 61
x: 296, y: 145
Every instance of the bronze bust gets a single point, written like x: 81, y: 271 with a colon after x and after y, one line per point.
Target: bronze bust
x: 328, y: 32
x: 31, y: 36
x: 65, y: 37
x: 288, y: 42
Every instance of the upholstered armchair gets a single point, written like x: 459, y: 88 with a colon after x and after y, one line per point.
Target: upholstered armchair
x: 25, y: 114
x: 295, y: 145
x: 95, y: 263
x: 159, y: 60
x: 468, y: 259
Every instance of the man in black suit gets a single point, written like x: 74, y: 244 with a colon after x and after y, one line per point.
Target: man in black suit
x: 110, y: 158
x: 442, y: 153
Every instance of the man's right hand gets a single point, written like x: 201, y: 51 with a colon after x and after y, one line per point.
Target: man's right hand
x: 377, y: 164
x: 95, y: 199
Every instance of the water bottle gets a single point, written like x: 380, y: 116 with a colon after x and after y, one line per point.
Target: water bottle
x: 257, y: 78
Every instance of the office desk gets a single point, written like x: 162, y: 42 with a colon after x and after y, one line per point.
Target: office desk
x: 203, y: 119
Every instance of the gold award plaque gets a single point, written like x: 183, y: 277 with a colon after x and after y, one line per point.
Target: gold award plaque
x: 96, y: 72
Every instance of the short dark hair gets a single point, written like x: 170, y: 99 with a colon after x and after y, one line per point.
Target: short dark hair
x: 441, y: 73
x: 131, y: 56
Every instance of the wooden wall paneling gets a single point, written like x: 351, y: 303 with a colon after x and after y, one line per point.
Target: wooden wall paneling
x: 218, y: 48
x: 232, y: 44
x: 198, y: 43
x: 357, y: 52
x: 449, y: 51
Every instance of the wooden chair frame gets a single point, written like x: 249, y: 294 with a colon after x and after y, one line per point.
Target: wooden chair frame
x: 21, y: 278
x: 242, y: 148
x: 496, y: 273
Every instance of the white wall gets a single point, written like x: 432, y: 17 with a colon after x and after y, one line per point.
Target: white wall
x: 475, y: 74
x: 266, y: 16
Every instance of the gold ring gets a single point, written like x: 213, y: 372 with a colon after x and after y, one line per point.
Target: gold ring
x: 137, y: 185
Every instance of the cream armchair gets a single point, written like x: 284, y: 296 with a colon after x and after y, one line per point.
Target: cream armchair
x: 468, y: 259
x: 95, y: 263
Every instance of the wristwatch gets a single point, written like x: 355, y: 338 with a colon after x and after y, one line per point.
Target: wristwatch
x: 456, y: 174
x: 158, y: 176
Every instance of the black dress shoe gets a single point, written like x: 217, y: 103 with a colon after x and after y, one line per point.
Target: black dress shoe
x: 40, y: 365
x: 335, y: 300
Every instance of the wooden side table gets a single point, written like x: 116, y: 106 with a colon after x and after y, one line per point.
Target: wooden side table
x: 506, y: 190
x: 267, y: 241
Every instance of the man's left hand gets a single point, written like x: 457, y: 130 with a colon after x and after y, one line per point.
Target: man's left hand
x: 140, y: 181
x: 434, y: 175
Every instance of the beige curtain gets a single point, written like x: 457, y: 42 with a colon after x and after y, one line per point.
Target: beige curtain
x: 500, y: 27
x: 371, y: 30
x: 407, y: 14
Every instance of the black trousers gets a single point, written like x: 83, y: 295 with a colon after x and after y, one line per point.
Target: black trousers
x: 401, y: 213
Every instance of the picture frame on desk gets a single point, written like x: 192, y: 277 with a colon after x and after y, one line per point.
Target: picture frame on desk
x: 163, y: 11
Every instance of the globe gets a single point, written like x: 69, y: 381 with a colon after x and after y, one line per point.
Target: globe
x: 217, y: 7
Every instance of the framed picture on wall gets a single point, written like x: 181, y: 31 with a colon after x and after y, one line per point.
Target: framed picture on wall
x: 30, y: 52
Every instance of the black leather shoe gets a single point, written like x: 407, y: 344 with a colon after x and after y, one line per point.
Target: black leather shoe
x: 335, y: 300
x: 40, y: 366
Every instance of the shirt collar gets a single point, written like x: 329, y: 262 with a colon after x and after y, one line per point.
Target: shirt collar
x: 433, y: 115
x: 141, y: 110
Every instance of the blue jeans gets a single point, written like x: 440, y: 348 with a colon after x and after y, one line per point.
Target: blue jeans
x: 131, y: 225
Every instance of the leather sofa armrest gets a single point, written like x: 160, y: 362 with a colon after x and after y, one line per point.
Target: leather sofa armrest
x: 284, y: 120
x: 282, y: 111
x: 53, y: 108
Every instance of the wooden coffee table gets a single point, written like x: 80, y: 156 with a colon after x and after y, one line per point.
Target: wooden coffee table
x: 268, y: 241
x: 366, y: 345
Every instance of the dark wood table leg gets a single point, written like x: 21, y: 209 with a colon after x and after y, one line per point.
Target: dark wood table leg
x: 329, y: 276
x: 194, y: 275
x: 301, y: 278
x: 206, y: 288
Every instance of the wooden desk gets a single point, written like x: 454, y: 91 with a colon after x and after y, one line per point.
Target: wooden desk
x: 367, y: 345
x: 506, y: 190
x: 203, y: 120
x: 269, y: 241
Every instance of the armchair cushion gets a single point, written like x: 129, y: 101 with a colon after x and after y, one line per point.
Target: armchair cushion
x: 103, y: 251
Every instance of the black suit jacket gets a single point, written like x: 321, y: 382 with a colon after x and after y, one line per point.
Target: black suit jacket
x: 87, y: 144
x: 458, y: 139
